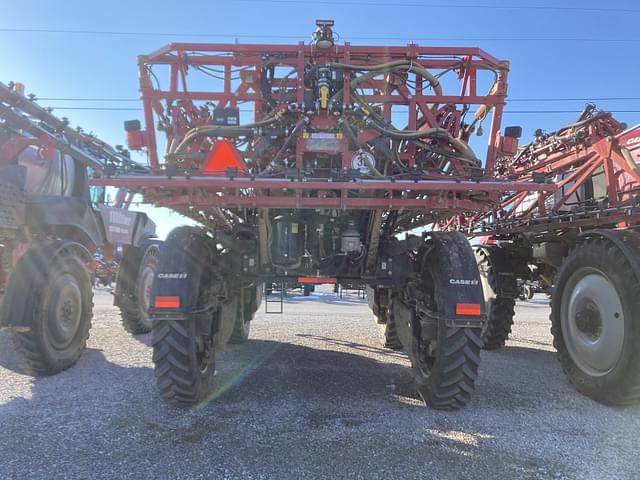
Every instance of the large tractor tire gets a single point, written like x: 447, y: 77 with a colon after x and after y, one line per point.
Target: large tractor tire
x: 186, y: 345
x: 390, y: 338
x: 500, y: 309
x: 251, y: 298
x: 384, y: 318
x: 445, y: 355
x: 59, y: 309
x: 595, y: 315
x: 135, y: 280
x: 184, y: 361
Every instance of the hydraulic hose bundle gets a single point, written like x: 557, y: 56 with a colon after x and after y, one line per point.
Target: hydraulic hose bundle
x: 436, y: 141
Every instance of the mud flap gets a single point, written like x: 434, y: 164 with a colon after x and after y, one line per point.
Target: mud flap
x: 456, y: 280
x: 185, y: 258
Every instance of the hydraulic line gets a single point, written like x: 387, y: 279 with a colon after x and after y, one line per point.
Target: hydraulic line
x: 352, y: 136
x: 432, y: 133
x: 390, y: 67
x: 221, y: 131
x: 374, y: 70
x: 292, y: 136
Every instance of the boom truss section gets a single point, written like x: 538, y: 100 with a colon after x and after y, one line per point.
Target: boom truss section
x: 593, y: 166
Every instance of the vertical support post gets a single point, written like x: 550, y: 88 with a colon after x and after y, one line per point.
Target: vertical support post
x: 496, y: 121
x: 150, y: 132
x: 346, y: 95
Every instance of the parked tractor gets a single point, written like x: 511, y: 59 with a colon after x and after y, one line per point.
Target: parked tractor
x: 50, y: 229
x: 337, y: 154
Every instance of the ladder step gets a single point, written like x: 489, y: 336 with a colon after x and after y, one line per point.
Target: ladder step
x: 275, y: 298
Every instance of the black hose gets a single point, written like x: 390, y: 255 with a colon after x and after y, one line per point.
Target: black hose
x: 436, y: 133
x: 287, y: 143
x: 350, y: 134
x: 221, y: 131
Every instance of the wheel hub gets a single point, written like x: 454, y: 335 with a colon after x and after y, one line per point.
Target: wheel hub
x: 592, y: 319
x: 589, y: 321
x: 64, y: 311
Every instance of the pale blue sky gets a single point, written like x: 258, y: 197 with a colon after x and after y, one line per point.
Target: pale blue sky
x: 83, y: 65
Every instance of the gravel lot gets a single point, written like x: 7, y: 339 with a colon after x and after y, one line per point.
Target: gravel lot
x: 312, y: 395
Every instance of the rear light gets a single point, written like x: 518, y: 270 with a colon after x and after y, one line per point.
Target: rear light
x: 167, y: 302
x: 468, y: 309
x: 316, y: 280
x: 135, y: 140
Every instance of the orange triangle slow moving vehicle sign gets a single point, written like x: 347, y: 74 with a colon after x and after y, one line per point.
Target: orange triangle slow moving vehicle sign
x: 222, y: 156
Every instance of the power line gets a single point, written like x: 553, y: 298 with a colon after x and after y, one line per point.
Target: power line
x: 557, y: 99
x: 446, y: 5
x: 565, y: 111
x: 297, y: 37
x: 590, y: 99
x: 86, y: 99
x: 132, y: 109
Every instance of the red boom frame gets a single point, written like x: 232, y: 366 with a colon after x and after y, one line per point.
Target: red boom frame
x: 570, y: 159
x: 239, y: 67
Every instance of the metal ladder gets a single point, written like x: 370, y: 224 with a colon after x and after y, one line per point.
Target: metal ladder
x: 275, y: 298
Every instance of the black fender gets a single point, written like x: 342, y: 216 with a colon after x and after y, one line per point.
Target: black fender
x: 29, y: 273
x: 451, y: 263
x: 186, y: 260
x: 502, y: 263
x: 628, y: 243
x: 66, y: 217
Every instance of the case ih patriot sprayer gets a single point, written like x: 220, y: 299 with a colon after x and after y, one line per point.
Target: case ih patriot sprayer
x: 582, y: 241
x: 305, y: 163
x: 49, y: 229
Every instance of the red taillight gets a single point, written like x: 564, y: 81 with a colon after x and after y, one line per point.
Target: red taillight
x: 167, y: 302
x: 316, y: 280
x: 468, y: 309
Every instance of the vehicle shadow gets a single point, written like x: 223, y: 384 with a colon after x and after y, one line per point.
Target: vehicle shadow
x: 261, y: 370
x: 269, y: 369
x: 353, y: 345
x: 272, y: 400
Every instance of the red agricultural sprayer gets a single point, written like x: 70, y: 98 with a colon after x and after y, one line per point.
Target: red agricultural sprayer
x: 304, y: 163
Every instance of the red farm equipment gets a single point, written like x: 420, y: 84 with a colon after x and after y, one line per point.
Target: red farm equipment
x: 580, y: 241
x: 308, y: 161
x: 49, y: 229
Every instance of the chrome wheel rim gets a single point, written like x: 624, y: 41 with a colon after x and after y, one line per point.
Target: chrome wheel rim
x: 592, y: 320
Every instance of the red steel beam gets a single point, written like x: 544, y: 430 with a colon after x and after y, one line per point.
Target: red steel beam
x: 235, y: 201
x: 221, y: 183
x: 385, y: 51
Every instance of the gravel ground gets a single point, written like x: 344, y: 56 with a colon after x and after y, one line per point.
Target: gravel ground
x: 311, y: 395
